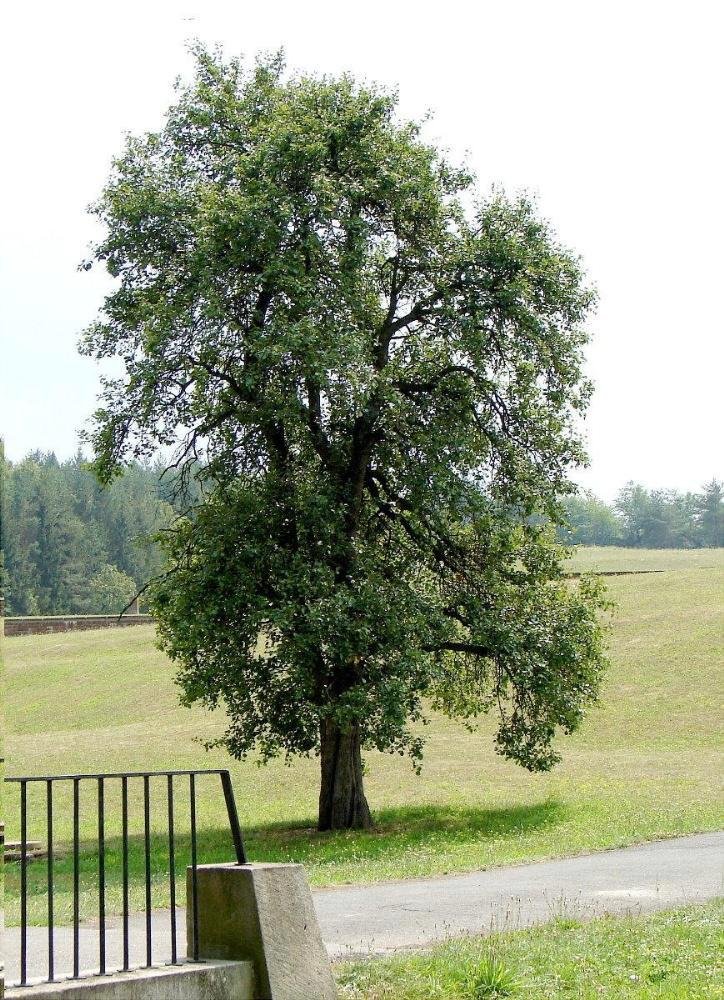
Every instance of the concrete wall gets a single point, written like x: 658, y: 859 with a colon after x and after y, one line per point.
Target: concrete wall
x: 262, y: 913
x: 70, y: 623
x: 210, y: 981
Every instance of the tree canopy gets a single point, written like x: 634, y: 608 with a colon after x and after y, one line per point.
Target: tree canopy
x: 381, y: 374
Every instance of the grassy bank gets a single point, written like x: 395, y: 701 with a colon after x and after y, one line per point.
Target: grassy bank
x: 645, y: 764
x: 675, y: 955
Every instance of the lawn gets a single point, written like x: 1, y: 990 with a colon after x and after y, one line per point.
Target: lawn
x: 645, y: 765
x: 610, y: 559
x: 675, y: 955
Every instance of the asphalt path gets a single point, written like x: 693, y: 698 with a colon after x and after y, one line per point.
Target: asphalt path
x: 387, y: 916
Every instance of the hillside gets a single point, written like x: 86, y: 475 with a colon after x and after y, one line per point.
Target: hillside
x: 644, y: 765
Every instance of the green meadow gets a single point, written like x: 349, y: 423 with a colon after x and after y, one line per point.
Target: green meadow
x: 645, y: 765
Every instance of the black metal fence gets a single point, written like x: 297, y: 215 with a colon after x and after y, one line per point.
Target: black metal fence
x: 102, y: 783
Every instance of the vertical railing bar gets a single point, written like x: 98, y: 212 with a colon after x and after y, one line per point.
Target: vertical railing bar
x: 236, y: 834
x: 76, y: 878
x: 194, y: 877
x: 172, y: 869
x: 101, y: 880
x: 23, y: 883
x: 234, y: 824
x: 147, y: 854
x: 51, y: 915
x: 124, y: 839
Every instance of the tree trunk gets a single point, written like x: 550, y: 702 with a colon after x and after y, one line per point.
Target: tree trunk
x: 342, y: 802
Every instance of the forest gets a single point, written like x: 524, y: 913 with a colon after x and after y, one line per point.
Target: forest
x: 72, y: 547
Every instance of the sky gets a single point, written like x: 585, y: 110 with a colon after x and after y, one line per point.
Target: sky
x: 609, y: 113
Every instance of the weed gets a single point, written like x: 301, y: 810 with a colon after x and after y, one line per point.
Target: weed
x: 491, y: 979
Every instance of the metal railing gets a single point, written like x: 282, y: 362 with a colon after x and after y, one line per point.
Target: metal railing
x: 102, y: 783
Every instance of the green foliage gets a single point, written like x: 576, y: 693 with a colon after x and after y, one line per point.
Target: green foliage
x: 110, y: 591
x: 589, y: 521
x: 710, y: 514
x: 656, y: 519
x: 60, y: 529
x: 383, y: 387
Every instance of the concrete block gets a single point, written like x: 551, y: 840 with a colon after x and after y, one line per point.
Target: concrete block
x: 208, y: 981
x: 263, y: 913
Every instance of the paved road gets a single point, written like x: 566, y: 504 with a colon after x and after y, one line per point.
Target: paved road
x: 639, y: 879
x: 380, y: 918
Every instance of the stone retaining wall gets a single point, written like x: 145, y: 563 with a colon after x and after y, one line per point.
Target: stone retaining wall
x: 70, y: 623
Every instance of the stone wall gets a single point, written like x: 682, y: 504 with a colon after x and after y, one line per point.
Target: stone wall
x: 70, y: 623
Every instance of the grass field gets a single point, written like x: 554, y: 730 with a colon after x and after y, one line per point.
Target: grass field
x: 645, y: 765
x: 612, y: 559
x: 675, y: 955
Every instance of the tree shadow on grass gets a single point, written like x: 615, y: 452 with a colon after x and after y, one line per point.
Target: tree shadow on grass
x: 424, y: 828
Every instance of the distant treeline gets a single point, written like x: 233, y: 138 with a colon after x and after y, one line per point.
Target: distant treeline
x: 71, y: 547
x: 648, y: 519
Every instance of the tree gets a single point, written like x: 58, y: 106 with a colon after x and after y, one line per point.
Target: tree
x: 633, y: 505
x: 677, y: 518
x: 130, y: 514
x: 709, y: 515
x: 380, y: 387
x: 110, y: 591
x: 589, y: 521
x: 49, y: 555
x: 658, y: 519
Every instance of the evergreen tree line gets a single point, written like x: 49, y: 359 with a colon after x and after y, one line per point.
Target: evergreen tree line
x: 648, y: 519
x: 71, y: 547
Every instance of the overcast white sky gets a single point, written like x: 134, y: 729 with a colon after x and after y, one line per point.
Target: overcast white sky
x: 611, y: 113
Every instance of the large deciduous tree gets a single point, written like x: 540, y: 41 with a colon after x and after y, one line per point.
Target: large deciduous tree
x: 379, y: 378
